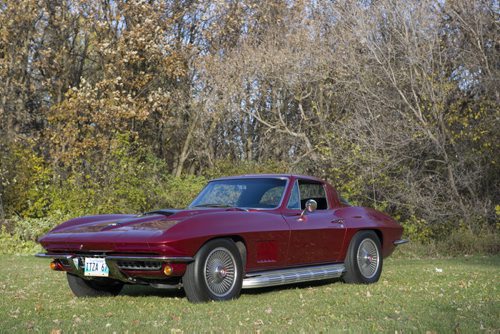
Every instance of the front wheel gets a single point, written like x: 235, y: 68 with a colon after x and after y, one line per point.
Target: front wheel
x: 364, y: 260
x: 94, y: 287
x: 215, y: 274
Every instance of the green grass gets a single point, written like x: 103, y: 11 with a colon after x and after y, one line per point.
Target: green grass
x: 411, y: 296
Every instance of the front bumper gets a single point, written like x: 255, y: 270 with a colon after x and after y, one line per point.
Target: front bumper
x: 126, y: 268
x: 400, y: 242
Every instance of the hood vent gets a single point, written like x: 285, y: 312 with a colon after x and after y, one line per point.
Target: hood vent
x: 165, y: 212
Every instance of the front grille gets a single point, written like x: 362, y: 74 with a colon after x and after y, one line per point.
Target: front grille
x: 139, y: 265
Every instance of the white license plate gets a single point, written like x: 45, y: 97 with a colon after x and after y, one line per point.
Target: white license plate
x: 96, y: 267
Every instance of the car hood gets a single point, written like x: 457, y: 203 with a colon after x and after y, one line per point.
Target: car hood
x: 160, y: 220
x: 129, y: 233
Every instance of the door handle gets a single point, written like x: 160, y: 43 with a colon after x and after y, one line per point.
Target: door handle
x: 339, y: 221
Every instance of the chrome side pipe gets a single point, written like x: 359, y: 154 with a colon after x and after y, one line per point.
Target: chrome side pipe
x: 293, y: 275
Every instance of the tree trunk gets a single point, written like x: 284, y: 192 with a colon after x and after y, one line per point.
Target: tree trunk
x: 185, y: 148
x: 2, y: 211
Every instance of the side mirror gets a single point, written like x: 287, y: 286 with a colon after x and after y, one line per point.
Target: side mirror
x: 311, y: 206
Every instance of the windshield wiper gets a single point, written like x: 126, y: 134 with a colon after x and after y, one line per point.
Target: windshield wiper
x: 213, y: 205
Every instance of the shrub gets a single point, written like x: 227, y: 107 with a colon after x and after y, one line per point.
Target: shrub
x: 30, y: 229
x: 178, y: 192
x: 463, y: 241
x: 458, y: 243
x: 417, y: 230
x: 24, y: 180
x: 14, y: 244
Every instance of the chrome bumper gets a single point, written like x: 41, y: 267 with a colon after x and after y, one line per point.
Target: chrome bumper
x: 400, y: 242
x: 172, y: 259
x: 74, y: 267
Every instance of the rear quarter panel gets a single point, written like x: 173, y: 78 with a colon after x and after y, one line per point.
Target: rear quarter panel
x: 359, y: 218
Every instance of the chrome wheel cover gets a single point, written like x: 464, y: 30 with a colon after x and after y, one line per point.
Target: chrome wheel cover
x: 220, y: 272
x: 368, y: 258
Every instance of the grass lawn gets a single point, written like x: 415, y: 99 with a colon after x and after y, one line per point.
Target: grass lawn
x: 436, y: 295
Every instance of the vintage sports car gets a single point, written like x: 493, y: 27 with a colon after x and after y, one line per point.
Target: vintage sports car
x: 240, y: 232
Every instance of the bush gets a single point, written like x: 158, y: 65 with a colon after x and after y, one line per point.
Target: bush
x: 464, y: 241
x: 460, y: 242
x: 417, y: 230
x: 14, y: 244
x: 19, y: 236
x: 30, y: 229
x: 125, y: 183
x: 24, y: 180
x: 178, y: 192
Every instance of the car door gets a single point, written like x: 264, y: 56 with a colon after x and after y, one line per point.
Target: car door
x: 315, y: 237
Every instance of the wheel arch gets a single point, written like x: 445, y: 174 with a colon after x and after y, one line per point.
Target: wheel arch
x: 378, y: 232
x: 239, y: 242
x: 380, y: 236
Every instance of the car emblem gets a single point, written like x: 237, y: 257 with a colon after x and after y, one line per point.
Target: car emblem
x: 81, y: 246
x: 113, y: 224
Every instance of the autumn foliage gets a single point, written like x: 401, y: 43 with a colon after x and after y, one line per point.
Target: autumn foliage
x: 131, y: 105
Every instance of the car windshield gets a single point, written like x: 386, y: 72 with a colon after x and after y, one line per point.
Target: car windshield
x: 259, y: 193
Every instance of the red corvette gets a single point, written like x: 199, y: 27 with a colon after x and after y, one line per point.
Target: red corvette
x: 240, y: 232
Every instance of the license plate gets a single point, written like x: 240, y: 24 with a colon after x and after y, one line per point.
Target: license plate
x: 96, y: 267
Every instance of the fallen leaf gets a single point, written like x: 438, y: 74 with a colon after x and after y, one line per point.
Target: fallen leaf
x: 15, y: 313
x: 258, y: 322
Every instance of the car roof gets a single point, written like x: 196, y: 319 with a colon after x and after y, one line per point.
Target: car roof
x: 274, y: 176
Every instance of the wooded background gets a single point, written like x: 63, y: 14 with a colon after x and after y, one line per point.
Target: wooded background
x: 128, y: 106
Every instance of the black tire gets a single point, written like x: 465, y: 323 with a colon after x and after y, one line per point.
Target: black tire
x: 215, y: 274
x: 364, y: 259
x: 93, y: 288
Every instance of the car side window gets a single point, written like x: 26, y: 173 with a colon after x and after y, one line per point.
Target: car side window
x: 294, y: 201
x: 312, y: 190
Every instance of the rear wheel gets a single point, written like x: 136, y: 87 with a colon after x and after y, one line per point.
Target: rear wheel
x: 364, y: 260
x: 215, y: 274
x: 94, y: 287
